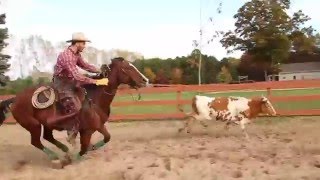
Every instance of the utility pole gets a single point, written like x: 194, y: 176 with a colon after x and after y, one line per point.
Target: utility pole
x: 22, y: 54
x: 200, y: 46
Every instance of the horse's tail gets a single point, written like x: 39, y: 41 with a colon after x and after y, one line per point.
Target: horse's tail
x: 4, y: 108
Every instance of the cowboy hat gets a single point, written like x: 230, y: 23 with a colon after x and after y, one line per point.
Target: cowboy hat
x: 78, y: 37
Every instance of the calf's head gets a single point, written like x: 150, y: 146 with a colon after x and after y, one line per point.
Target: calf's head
x: 262, y: 105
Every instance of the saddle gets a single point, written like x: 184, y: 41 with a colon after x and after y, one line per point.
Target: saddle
x: 46, y: 96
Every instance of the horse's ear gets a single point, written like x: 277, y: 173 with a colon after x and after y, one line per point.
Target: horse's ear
x: 104, y: 67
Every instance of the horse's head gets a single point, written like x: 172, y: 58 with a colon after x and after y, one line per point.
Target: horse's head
x: 125, y: 73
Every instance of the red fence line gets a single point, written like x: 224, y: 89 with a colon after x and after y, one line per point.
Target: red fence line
x: 187, y: 101
x: 220, y: 87
x: 167, y: 116
x: 178, y: 89
x: 226, y: 87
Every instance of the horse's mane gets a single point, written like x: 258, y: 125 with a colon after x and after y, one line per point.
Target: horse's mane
x: 104, y: 68
x: 96, y: 76
x: 118, y: 58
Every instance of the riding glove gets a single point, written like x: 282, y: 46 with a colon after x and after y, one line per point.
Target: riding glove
x: 103, y: 81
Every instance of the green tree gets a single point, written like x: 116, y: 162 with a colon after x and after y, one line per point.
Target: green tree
x: 224, y: 75
x: 182, y: 69
x: 232, y: 64
x: 149, y: 74
x: 17, y: 85
x: 176, y: 75
x: 210, y: 69
x: 161, y: 77
x: 4, y: 66
x: 317, y: 43
x: 265, y: 30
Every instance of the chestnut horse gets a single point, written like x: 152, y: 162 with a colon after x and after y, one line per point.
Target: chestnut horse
x: 92, y: 117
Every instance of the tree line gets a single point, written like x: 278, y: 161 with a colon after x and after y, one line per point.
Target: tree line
x: 184, y: 70
x: 266, y: 34
x: 4, y: 65
x: 269, y: 36
x: 263, y: 30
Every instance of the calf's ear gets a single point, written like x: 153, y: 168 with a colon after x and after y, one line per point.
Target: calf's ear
x: 264, y: 99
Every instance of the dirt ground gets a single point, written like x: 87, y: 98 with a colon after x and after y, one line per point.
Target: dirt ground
x: 285, y: 148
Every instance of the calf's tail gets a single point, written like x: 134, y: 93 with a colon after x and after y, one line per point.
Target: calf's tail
x: 4, y: 108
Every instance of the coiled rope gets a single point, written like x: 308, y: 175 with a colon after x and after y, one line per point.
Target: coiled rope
x: 51, y: 97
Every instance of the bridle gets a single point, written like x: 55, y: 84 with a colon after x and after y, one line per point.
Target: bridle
x: 105, y: 90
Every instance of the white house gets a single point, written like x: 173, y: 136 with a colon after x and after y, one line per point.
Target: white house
x: 299, y: 71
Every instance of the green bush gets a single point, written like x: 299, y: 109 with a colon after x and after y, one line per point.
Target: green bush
x: 19, y: 85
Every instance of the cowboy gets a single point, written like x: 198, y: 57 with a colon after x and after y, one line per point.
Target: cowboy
x: 67, y: 79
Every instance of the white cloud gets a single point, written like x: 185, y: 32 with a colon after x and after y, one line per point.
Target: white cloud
x: 15, y: 11
x: 162, y: 40
x: 307, y: 7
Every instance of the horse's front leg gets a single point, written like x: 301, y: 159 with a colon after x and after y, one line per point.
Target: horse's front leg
x: 85, y: 137
x: 106, y: 138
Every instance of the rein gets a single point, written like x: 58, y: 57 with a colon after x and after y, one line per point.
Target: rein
x: 139, y: 94
x: 115, y: 91
x: 110, y: 94
x: 105, y: 91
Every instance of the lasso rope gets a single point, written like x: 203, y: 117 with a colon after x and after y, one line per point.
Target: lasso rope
x: 46, y: 104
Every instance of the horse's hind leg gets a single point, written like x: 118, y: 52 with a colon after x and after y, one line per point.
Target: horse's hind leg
x: 47, y: 135
x: 106, y: 138
x: 35, y: 132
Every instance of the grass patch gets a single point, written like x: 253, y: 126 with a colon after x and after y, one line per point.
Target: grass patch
x: 156, y: 109
x: 188, y: 95
x: 298, y: 105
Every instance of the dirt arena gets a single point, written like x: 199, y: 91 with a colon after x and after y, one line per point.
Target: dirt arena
x: 284, y: 148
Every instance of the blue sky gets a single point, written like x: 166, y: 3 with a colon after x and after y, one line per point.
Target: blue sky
x: 163, y: 28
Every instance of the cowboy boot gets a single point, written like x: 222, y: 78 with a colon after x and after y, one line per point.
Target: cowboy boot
x: 71, y: 107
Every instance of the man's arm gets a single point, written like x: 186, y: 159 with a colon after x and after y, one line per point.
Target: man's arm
x: 71, y: 66
x: 86, y: 66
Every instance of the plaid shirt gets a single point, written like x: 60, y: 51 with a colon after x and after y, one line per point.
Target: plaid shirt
x: 67, y: 63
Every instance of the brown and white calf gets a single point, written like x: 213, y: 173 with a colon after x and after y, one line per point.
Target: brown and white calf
x: 232, y: 110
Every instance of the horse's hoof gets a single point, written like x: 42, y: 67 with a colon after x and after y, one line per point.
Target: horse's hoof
x: 67, y: 159
x: 56, y: 164
x: 180, y: 130
x: 91, y: 147
x: 77, y: 157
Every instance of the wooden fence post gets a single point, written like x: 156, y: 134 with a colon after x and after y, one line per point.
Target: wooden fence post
x: 179, y: 94
x: 268, y: 92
